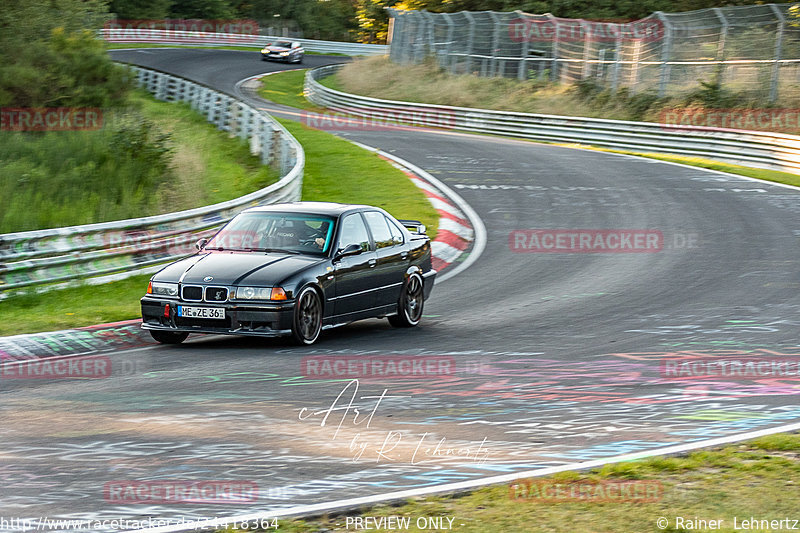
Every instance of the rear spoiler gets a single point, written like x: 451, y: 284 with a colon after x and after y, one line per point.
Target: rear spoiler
x: 414, y: 226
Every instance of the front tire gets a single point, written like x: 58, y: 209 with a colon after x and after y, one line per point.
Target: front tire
x: 168, y: 337
x: 409, y: 307
x: 307, y: 323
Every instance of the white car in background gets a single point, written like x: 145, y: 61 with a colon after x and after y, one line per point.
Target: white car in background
x: 288, y: 51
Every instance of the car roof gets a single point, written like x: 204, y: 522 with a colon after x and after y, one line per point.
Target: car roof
x: 316, y: 208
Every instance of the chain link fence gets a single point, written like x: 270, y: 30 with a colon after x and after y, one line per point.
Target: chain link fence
x: 755, y: 49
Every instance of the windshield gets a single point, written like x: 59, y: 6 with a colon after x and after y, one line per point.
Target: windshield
x: 276, y: 232
x: 283, y: 44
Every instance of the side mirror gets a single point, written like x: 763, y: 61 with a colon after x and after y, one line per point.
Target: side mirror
x: 201, y: 244
x: 350, y: 249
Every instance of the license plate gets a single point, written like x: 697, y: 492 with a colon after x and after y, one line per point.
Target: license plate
x: 201, y: 312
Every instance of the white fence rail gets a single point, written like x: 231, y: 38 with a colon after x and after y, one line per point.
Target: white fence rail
x: 126, y: 247
x: 152, y: 36
x: 775, y: 151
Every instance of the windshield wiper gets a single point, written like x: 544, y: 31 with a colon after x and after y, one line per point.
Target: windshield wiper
x: 277, y: 250
x: 265, y: 250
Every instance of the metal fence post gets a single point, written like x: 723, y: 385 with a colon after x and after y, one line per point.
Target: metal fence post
x: 637, y: 55
x: 721, y: 45
x: 666, y: 50
x: 554, y: 48
x: 448, y: 45
x: 396, y: 46
x: 522, y: 69
x: 420, y: 54
x: 470, y: 42
x: 587, y: 50
x: 495, y: 43
x: 776, y: 73
x: 429, y: 32
x: 617, y: 58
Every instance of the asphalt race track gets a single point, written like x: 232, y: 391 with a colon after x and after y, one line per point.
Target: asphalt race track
x: 538, y: 359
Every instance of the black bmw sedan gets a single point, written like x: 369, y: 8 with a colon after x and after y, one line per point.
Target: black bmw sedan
x: 294, y: 269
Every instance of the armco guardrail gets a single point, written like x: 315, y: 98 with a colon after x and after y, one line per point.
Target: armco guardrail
x: 143, y: 35
x: 775, y: 151
x: 129, y: 246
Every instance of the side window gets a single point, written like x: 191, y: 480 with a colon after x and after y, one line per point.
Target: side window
x: 397, y: 235
x: 354, y: 232
x: 379, y: 228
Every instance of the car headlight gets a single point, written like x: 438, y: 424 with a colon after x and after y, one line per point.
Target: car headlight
x: 284, y: 53
x: 253, y: 293
x: 158, y: 288
x: 260, y: 293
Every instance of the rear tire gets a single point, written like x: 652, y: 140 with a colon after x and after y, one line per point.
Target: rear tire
x: 307, y: 323
x: 409, y: 307
x: 168, y: 337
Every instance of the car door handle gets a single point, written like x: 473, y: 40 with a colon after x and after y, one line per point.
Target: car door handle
x: 372, y: 262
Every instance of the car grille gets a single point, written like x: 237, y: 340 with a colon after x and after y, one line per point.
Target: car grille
x: 197, y: 293
x: 216, y: 294
x: 192, y: 293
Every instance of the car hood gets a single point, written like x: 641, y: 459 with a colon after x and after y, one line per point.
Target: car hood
x: 276, y: 49
x: 236, y: 268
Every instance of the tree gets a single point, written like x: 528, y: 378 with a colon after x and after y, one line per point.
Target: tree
x: 140, y: 9
x: 50, y: 56
x: 202, y: 9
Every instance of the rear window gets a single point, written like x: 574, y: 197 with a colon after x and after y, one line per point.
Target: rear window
x: 379, y: 227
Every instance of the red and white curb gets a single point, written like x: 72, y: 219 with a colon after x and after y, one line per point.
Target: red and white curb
x: 83, y: 341
x: 461, y: 237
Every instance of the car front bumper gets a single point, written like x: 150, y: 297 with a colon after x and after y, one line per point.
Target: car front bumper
x: 272, y: 57
x: 265, y: 319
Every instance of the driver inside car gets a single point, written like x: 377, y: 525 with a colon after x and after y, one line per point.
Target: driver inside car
x: 312, y: 236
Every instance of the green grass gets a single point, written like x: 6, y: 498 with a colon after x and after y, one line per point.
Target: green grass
x: 120, y: 171
x: 339, y: 171
x: 82, y: 305
x: 286, y: 89
x: 209, y: 164
x: 759, y: 479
